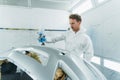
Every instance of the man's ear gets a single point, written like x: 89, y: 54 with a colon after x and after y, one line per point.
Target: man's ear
x: 79, y: 22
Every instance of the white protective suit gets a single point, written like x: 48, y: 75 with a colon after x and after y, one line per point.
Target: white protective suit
x: 77, y: 43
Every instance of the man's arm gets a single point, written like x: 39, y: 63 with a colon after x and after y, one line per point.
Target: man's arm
x: 56, y: 39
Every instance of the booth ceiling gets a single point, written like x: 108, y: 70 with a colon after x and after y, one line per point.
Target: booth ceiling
x: 49, y: 4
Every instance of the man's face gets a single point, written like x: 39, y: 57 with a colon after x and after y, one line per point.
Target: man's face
x: 75, y: 25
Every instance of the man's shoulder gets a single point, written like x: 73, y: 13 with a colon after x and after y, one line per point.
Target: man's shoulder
x: 85, y: 36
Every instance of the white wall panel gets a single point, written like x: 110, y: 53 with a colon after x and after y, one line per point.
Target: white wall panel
x: 11, y: 16
x: 103, y: 23
x: 21, y: 17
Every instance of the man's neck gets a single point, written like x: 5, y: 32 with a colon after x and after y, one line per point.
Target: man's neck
x: 77, y: 30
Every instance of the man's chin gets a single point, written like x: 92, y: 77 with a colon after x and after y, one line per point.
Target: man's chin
x: 73, y: 30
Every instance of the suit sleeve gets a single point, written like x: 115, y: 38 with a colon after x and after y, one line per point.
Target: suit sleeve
x: 56, y: 39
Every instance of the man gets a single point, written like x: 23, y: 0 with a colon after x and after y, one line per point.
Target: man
x: 77, y: 42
